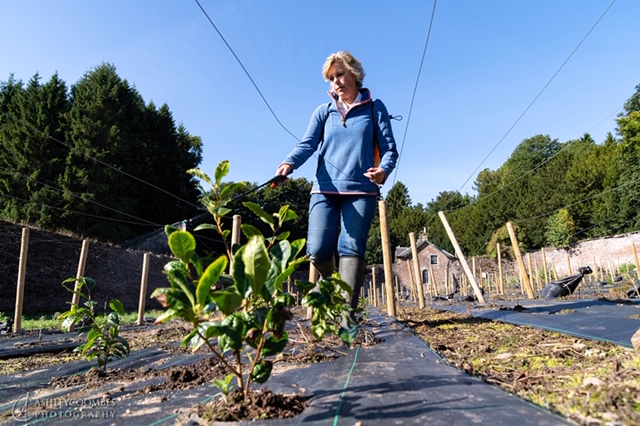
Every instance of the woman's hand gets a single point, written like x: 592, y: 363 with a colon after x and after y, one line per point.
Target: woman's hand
x: 284, y: 169
x: 376, y: 175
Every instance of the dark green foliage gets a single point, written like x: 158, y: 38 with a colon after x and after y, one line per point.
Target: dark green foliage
x: 94, y: 160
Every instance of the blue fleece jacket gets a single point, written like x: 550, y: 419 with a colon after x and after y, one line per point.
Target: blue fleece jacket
x: 345, y: 146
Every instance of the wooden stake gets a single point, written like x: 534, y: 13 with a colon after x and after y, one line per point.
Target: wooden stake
x: 236, y: 230
x: 474, y: 270
x: 75, y: 300
x: 635, y: 257
x: 537, y: 269
x: 516, y: 249
x: 500, y: 277
x: 433, y: 292
x: 313, y: 278
x: 22, y: 271
x: 143, y: 288
x: 530, y: 269
x: 375, y: 286
x: 569, y: 265
x: 544, y: 267
x: 461, y: 257
x: 386, y: 256
x: 411, y: 281
x: 416, y: 269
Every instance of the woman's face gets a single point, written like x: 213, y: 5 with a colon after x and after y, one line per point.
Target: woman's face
x: 343, y: 82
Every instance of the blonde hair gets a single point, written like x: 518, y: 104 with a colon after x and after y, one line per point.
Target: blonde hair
x: 352, y: 64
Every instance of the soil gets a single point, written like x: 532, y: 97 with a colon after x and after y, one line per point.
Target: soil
x: 589, y: 382
x: 261, y: 403
x: 586, y: 381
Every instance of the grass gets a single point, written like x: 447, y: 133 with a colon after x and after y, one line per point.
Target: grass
x: 38, y: 321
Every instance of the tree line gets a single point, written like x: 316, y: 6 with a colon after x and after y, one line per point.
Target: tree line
x: 555, y: 193
x: 96, y: 160
x: 93, y: 159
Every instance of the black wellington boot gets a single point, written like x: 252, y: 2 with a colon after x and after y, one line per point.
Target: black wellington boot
x: 352, y: 270
x: 326, y: 269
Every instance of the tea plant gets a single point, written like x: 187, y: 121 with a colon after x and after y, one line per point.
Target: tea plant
x: 240, y: 315
x: 103, y: 339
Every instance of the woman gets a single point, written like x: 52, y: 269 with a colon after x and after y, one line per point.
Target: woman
x: 356, y: 152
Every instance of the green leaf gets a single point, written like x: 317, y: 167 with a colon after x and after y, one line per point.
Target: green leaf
x: 281, y: 253
x: 348, y: 335
x: 167, y: 315
x: 228, y: 190
x: 239, y: 274
x: 273, y: 346
x: 304, y: 286
x: 206, y: 226
x: 229, y: 340
x: 169, y: 229
x: 117, y: 306
x: 258, y: 211
x: 209, y: 279
x: 283, y: 235
x: 90, y: 283
x: 223, y: 211
x: 285, y: 214
x: 250, y: 230
x: 256, y: 263
x: 227, y: 301
x: 182, y: 245
x: 296, y: 247
x: 221, y: 171
x: 180, y: 283
x: 200, y: 175
x: 261, y: 371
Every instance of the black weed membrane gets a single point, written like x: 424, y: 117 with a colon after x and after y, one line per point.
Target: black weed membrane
x: 565, y: 286
x: 634, y: 292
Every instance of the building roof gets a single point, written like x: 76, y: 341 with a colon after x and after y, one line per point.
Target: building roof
x: 404, y: 253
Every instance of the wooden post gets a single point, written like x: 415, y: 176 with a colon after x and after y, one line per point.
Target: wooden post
x: 516, y: 250
x: 544, y: 266
x: 601, y: 271
x: 22, y: 271
x: 635, y: 258
x: 433, y: 290
x: 375, y: 286
x: 500, y: 277
x: 313, y: 278
x: 530, y: 269
x: 81, y: 265
x: 398, y: 289
x: 416, y: 269
x: 474, y: 269
x: 460, y: 255
x: 143, y: 288
x: 236, y: 230
x: 538, y: 282
x: 411, y: 281
x: 569, y: 265
x: 386, y: 256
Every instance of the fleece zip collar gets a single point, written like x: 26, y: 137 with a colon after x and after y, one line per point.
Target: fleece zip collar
x: 366, y: 98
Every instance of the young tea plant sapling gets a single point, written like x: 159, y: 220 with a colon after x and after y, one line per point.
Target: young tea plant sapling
x: 102, y: 331
x: 240, y: 315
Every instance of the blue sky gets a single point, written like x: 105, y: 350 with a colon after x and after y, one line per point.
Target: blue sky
x: 485, y: 63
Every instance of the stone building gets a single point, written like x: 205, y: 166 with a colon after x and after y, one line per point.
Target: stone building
x: 437, y: 267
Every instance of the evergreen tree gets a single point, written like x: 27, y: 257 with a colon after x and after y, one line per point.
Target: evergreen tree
x: 32, y: 132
